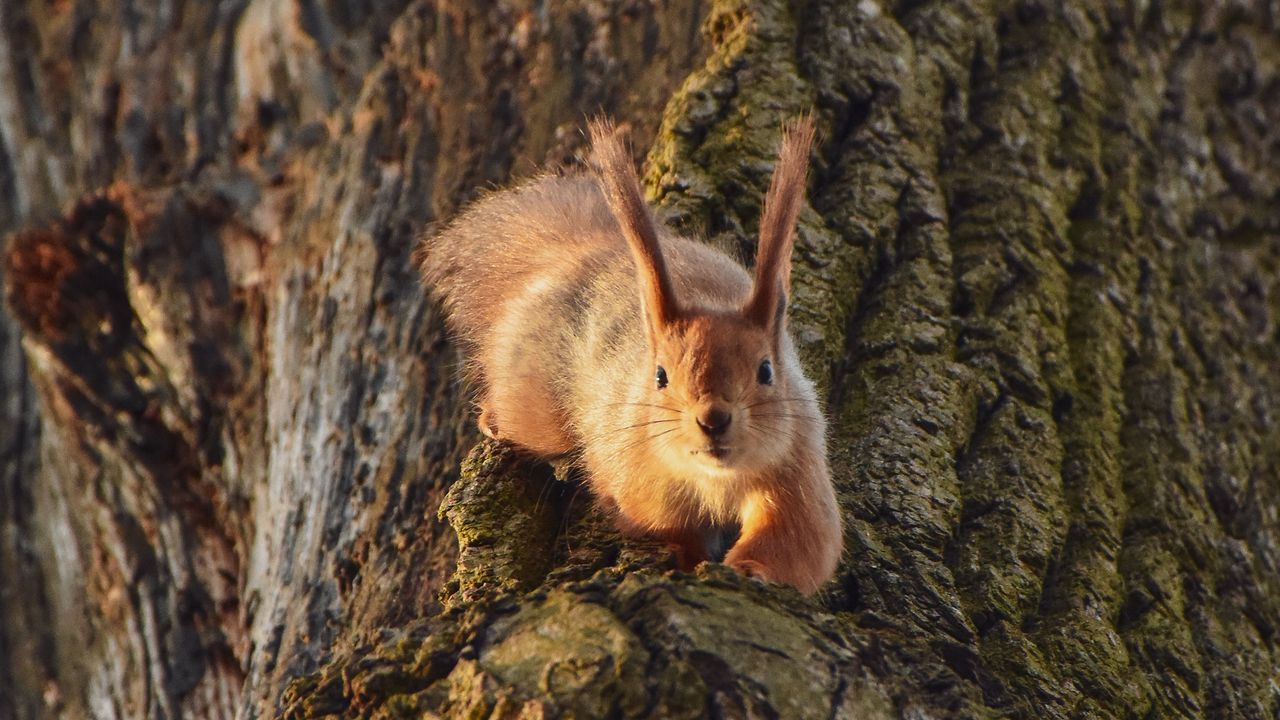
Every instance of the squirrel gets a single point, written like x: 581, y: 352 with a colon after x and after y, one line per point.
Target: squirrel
x: 657, y: 361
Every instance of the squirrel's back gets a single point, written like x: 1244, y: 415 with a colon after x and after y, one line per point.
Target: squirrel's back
x: 491, y: 251
x: 557, y: 230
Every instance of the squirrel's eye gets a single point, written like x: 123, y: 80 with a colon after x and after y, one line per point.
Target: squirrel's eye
x: 661, y: 377
x: 765, y: 374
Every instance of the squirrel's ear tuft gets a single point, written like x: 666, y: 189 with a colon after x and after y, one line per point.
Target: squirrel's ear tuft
x: 621, y: 189
x: 767, y: 303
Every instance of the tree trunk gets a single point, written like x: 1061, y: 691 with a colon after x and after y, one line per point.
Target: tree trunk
x: 1038, y: 279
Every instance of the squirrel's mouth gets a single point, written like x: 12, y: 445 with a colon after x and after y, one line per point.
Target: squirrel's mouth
x: 719, y: 453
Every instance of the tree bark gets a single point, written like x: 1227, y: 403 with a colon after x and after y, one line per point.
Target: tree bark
x: 1037, y: 278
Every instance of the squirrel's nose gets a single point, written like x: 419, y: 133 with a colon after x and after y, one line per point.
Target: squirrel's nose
x: 714, y: 421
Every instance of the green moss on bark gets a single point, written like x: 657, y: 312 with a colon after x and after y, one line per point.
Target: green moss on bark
x: 506, y: 517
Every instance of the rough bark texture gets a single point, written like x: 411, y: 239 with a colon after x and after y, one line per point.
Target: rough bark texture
x: 1038, y: 279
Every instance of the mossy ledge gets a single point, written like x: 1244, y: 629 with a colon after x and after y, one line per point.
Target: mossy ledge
x: 615, y: 631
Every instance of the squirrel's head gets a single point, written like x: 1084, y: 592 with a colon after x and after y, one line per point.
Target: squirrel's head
x: 719, y: 393
x: 721, y: 389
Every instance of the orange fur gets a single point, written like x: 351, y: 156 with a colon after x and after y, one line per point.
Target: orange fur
x: 567, y: 297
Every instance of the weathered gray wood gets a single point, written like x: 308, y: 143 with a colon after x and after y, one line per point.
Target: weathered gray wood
x: 25, y: 652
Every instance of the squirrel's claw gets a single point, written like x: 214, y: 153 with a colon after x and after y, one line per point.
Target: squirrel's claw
x: 751, y: 569
x: 487, y: 426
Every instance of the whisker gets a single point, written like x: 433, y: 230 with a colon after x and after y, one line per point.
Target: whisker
x: 766, y: 430
x: 618, y: 452
x: 776, y: 400
x: 664, y: 432
x: 609, y: 432
x: 544, y: 494
x: 567, y: 519
x: 650, y: 422
x: 785, y: 415
x: 651, y: 405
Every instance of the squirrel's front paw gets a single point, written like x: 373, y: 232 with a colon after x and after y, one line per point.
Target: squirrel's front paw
x: 751, y: 569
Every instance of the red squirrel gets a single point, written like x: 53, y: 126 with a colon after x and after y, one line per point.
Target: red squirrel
x: 660, y: 363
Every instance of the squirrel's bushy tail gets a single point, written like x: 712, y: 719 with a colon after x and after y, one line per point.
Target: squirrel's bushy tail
x: 497, y: 245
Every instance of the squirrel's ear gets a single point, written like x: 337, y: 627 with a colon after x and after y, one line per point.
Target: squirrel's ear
x: 767, y: 303
x: 622, y: 192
